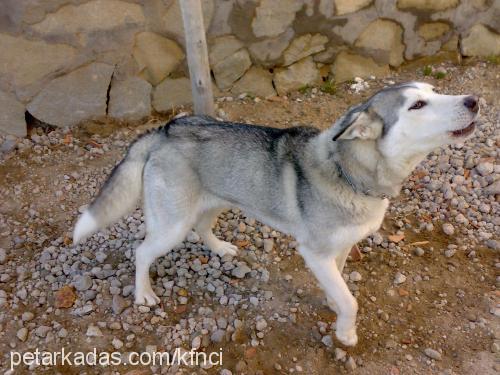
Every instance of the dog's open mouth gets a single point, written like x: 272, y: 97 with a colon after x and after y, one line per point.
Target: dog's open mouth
x: 464, y: 131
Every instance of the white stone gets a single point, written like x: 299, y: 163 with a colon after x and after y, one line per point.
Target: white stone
x: 485, y: 168
x: 94, y: 331
x: 448, y: 229
x: 355, y: 276
x: 399, y: 278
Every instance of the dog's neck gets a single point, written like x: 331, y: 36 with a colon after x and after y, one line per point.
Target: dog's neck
x: 362, y: 167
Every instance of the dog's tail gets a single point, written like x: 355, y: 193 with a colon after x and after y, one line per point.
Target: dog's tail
x: 121, y: 191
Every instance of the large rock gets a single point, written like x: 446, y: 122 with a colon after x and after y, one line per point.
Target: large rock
x: 256, y: 81
x: 23, y: 62
x: 481, y: 42
x: 269, y: 50
x: 172, y: 19
x: 303, y: 46
x: 300, y: 74
x: 433, y: 30
x: 92, y: 16
x: 227, y: 71
x: 348, y: 66
x: 130, y: 99
x: 172, y: 93
x: 12, y: 120
x: 78, y: 96
x: 222, y: 48
x: 156, y: 56
x: 350, y: 6
x: 272, y: 17
x: 383, y: 39
x: 427, y: 5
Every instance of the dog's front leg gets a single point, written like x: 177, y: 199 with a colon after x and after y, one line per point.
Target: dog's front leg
x: 326, y: 271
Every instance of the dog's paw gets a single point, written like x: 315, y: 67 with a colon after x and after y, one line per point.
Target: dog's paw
x: 225, y: 248
x: 146, y: 297
x: 347, y: 337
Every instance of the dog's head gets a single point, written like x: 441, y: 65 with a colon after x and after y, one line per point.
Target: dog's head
x: 409, y: 119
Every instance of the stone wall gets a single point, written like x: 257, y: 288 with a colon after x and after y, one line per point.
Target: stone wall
x: 67, y: 61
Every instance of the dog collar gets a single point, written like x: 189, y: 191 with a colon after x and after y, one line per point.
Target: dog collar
x: 348, y: 179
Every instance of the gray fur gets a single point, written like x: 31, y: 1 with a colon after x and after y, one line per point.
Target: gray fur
x: 328, y: 189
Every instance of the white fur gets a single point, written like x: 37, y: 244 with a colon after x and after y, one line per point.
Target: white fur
x: 177, y: 202
x: 85, y: 226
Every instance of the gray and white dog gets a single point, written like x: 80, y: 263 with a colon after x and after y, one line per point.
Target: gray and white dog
x: 329, y: 189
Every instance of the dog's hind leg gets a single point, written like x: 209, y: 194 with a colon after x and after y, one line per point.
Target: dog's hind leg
x: 170, y: 207
x: 326, y: 271
x: 204, y: 227
x: 153, y: 247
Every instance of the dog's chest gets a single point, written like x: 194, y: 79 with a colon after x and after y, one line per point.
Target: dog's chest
x: 343, y: 234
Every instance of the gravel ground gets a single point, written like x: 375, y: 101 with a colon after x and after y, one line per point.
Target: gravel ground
x: 426, y: 284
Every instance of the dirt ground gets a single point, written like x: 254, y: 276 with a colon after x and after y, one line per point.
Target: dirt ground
x: 445, y: 304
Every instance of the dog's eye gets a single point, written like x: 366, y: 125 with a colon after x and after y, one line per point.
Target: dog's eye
x: 418, y: 104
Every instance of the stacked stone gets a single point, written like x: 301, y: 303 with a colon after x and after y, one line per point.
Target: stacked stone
x: 71, y: 62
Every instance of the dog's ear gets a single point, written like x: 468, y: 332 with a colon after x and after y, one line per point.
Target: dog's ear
x: 359, y: 125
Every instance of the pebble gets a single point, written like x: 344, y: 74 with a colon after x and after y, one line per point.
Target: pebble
x: 261, y: 325
x: 340, y: 354
x: 485, y: 168
x: 94, y: 331
x: 240, y: 271
x: 449, y: 253
x: 355, y: 276
x: 419, y: 251
x: 350, y: 364
x: 268, y: 245
x: 399, y: 278
x: 119, y: 304
x: 327, y: 341
x: 448, y: 229
x: 3, y: 256
x: 22, y: 334
x: 82, y: 283
x: 433, y: 354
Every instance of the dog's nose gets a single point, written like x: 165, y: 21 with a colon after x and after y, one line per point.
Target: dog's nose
x: 471, y: 103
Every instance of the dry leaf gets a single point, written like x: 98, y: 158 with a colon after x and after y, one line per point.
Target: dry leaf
x: 396, y: 237
x: 355, y: 254
x: 242, y: 243
x: 250, y: 353
x: 65, y: 297
x: 419, y: 243
x: 180, y: 309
